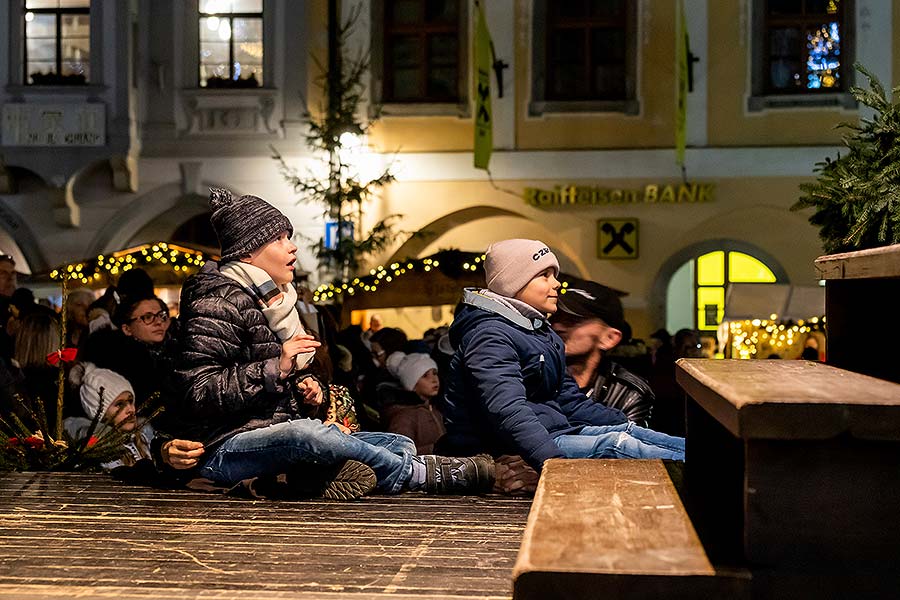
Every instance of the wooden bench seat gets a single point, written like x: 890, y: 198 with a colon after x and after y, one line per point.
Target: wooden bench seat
x: 613, y: 529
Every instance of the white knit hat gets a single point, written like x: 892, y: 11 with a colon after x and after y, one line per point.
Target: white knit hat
x: 409, y: 368
x: 98, y: 385
x: 509, y: 265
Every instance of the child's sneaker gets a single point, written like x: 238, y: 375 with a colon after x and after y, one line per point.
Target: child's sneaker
x: 464, y: 475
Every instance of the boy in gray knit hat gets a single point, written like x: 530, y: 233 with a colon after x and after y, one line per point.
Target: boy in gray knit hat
x: 508, y: 392
x: 244, y: 369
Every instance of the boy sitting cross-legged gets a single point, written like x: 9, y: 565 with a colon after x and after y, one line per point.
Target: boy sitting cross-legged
x: 508, y: 391
x: 243, y: 370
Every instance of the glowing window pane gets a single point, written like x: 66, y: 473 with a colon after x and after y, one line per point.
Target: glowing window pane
x: 746, y: 269
x: 711, y: 269
x: 710, y: 307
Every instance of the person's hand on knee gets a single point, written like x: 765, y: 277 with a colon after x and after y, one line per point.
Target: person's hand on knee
x: 514, y: 476
x: 339, y: 426
x: 181, y: 454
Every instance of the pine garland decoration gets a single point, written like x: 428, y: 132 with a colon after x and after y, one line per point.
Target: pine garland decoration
x: 857, y: 196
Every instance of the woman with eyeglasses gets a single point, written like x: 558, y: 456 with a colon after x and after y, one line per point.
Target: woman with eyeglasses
x: 141, y: 348
x: 146, y: 321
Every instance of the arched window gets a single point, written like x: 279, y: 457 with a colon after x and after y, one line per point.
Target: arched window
x: 696, y: 292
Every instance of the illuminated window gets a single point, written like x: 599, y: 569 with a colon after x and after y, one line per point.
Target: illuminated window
x: 714, y: 271
x: 803, y: 46
x: 57, y: 42
x: 231, y: 43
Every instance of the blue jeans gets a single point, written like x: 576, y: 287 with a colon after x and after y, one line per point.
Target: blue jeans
x: 626, y: 440
x: 282, y: 447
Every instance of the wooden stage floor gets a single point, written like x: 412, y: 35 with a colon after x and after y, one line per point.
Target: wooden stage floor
x: 72, y: 535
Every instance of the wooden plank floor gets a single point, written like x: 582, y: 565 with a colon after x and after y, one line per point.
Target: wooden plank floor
x: 72, y: 535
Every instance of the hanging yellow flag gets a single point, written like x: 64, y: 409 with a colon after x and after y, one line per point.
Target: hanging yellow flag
x: 483, y: 119
x: 681, y: 83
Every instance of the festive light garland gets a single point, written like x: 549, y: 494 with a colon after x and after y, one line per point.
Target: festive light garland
x: 183, y: 261
x: 452, y: 261
x: 750, y: 336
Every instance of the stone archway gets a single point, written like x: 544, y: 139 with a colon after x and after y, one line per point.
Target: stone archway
x: 17, y: 240
x: 434, y: 231
x: 151, y: 217
x: 658, y: 299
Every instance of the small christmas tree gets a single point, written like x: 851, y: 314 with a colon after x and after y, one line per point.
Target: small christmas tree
x: 343, y: 193
x: 857, y: 196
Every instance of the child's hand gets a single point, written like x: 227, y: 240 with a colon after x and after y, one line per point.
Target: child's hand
x: 312, y: 392
x: 339, y: 426
x: 181, y: 454
x: 291, y: 348
x: 514, y: 476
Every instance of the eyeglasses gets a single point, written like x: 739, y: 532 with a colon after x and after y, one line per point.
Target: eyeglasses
x: 149, y: 318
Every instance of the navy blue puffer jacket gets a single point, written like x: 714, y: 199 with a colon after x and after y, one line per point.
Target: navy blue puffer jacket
x: 508, y: 390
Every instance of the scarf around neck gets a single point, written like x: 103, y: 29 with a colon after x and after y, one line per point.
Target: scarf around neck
x: 277, y: 302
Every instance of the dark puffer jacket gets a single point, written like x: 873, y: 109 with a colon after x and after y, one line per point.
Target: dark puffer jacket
x: 508, y: 390
x: 227, y: 365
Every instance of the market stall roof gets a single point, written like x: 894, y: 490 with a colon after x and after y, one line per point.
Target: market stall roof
x: 762, y: 300
x: 434, y: 280
x: 167, y: 264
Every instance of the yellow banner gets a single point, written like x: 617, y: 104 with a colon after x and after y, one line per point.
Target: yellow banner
x: 483, y: 122
x: 681, y: 83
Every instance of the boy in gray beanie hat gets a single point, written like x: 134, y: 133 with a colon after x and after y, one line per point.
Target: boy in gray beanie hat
x: 509, y: 265
x: 245, y: 378
x: 244, y: 224
x: 508, y: 392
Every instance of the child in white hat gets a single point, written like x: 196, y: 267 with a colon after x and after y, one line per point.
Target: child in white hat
x: 110, y: 395
x: 417, y: 419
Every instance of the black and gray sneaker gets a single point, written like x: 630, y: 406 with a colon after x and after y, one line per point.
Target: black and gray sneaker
x: 348, y: 480
x: 464, y: 475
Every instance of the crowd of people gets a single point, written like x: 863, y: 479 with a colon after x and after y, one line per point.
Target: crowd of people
x: 262, y: 393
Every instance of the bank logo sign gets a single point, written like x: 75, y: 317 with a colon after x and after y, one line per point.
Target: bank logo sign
x: 617, y: 238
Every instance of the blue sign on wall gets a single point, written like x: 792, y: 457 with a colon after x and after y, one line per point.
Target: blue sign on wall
x: 331, y: 233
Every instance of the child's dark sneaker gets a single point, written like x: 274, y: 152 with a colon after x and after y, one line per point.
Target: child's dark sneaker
x: 464, y: 475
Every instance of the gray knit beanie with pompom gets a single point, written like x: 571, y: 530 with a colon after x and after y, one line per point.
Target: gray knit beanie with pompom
x: 244, y: 224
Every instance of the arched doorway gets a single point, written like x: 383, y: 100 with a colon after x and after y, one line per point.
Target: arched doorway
x: 690, y: 287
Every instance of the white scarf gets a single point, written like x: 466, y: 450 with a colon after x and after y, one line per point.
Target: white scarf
x: 277, y: 302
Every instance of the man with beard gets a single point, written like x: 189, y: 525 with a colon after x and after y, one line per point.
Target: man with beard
x: 590, y: 320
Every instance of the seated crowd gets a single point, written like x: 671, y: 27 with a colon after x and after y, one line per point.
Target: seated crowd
x: 253, y: 389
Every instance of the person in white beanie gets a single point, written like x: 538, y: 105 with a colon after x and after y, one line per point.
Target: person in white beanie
x: 108, y: 394
x: 508, y: 392
x: 413, y: 414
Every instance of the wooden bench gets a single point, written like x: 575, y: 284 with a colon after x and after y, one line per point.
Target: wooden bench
x: 613, y: 529
x: 792, y: 469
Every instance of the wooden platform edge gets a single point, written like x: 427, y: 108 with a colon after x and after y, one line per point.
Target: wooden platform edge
x: 883, y: 262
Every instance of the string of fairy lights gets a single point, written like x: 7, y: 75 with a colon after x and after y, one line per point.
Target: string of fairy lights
x: 182, y: 261
x: 386, y: 274
x: 751, y: 336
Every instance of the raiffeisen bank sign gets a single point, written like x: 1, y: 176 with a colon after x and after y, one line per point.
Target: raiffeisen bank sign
x: 577, y: 195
